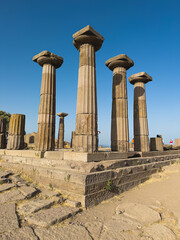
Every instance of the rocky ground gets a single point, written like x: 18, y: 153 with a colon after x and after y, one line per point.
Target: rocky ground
x: 150, y: 211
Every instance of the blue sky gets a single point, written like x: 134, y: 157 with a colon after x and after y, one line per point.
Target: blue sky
x: 148, y: 31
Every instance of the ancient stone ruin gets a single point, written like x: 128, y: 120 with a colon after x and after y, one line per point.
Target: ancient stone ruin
x: 84, y: 173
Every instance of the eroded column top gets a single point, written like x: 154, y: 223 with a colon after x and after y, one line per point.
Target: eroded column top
x: 62, y: 114
x: 88, y: 35
x: 46, y: 57
x: 140, y: 77
x: 121, y: 60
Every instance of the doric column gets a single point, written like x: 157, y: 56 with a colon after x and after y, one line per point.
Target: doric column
x: 2, y: 133
x: 60, y: 143
x: 119, y: 116
x: 141, y: 133
x: 16, y: 132
x: 87, y: 41
x: 45, y: 140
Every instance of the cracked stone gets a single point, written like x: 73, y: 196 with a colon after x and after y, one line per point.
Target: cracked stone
x: 13, y: 195
x: 5, y: 174
x: 6, y: 186
x: 35, y: 206
x: 19, y: 234
x: 137, y: 212
x: 49, y: 193
x: 28, y: 191
x: 158, y: 232
x: 65, y: 232
x: 51, y: 216
x: 95, y: 228
x: 8, y: 220
x: 5, y: 180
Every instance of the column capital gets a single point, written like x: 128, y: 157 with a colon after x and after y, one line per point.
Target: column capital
x: 121, y: 60
x: 140, y: 77
x: 62, y: 114
x: 46, y: 57
x: 88, y: 35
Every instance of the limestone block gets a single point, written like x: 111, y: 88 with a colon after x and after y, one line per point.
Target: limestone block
x: 141, y: 143
x: 86, y: 124
x: 15, y: 142
x: 156, y: 144
x: 140, y: 109
x: 47, y: 104
x: 2, y: 125
x: 119, y: 108
x: 141, y: 127
x: 120, y: 146
x: 17, y: 124
x: 86, y: 143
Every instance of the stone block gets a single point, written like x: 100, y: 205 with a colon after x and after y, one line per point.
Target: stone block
x: 86, y: 124
x: 141, y: 143
x: 2, y: 140
x: 156, y: 144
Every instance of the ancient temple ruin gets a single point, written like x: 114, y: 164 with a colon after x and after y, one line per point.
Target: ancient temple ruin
x: 83, y: 172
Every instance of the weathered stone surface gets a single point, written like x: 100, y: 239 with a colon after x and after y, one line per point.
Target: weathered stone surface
x: 51, y: 216
x: 35, y: 206
x: 156, y: 144
x: 95, y: 228
x: 6, y: 186
x: 65, y: 232
x: 73, y: 203
x: 141, y: 133
x: 5, y: 174
x: 158, y: 232
x: 87, y: 41
x: 60, y: 143
x: 28, y: 191
x: 13, y: 195
x: 8, y: 219
x: 45, y: 140
x: 137, y: 212
x: 49, y: 193
x: 25, y: 233
x: 5, y: 180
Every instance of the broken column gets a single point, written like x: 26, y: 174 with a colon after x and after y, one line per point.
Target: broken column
x: 87, y: 41
x: 141, y: 133
x: 2, y: 133
x: 45, y: 140
x: 60, y: 143
x: 119, y: 116
x: 16, y: 132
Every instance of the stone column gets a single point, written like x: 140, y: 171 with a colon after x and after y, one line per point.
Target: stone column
x: 60, y: 143
x: 87, y: 41
x: 141, y: 133
x: 16, y: 132
x: 119, y: 116
x: 2, y: 133
x: 45, y: 140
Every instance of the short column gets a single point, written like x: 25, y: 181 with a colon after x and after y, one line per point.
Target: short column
x: 60, y: 143
x: 16, y: 132
x: 45, y: 140
x: 119, y: 116
x: 87, y: 41
x: 141, y: 133
x: 2, y: 133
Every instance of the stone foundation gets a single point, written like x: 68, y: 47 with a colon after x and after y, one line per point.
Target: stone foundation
x: 88, y: 177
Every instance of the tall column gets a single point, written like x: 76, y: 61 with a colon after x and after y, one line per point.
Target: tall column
x: 16, y: 132
x: 45, y: 140
x: 60, y: 143
x: 141, y: 133
x: 87, y: 41
x: 2, y: 133
x: 119, y: 116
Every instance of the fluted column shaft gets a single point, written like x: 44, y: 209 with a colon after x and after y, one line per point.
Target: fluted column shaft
x: 119, y: 117
x: 141, y: 133
x: 46, y: 117
x: 16, y: 132
x: 2, y: 133
x: 86, y: 115
x: 61, y: 133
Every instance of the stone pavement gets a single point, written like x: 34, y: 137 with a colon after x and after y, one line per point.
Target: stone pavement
x: 29, y: 211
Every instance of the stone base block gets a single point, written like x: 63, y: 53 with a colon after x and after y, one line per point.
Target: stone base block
x: 86, y: 143
x: 156, y: 144
x: 141, y: 143
x: 15, y: 142
x: 89, y: 183
x: 120, y: 146
x: 2, y: 140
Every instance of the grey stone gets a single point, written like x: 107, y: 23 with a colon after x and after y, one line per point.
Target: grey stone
x: 6, y: 186
x: 158, y: 232
x: 65, y: 232
x: 28, y: 191
x: 137, y: 212
x: 52, y: 216
x: 24, y: 233
x: 8, y: 219
x: 13, y: 195
x: 35, y: 206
